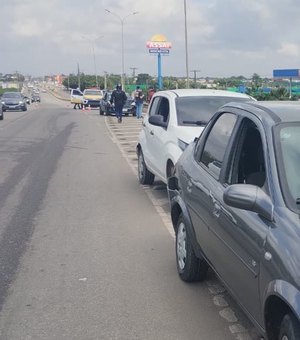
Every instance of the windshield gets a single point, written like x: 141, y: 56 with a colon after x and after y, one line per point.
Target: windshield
x: 288, y: 155
x: 192, y: 109
x: 11, y: 95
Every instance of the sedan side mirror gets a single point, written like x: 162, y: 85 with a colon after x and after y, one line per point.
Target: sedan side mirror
x: 157, y: 120
x: 249, y: 197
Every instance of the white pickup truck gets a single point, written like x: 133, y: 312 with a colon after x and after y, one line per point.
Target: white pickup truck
x: 89, y: 97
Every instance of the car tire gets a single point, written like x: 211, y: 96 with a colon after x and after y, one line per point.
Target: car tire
x: 2, y: 117
x: 289, y: 328
x: 24, y: 109
x: 170, y: 169
x: 190, y: 267
x: 145, y: 176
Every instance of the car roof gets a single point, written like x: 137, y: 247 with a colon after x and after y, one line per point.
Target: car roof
x: 277, y: 111
x: 202, y: 92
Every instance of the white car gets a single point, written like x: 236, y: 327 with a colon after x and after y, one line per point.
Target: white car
x: 173, y: 120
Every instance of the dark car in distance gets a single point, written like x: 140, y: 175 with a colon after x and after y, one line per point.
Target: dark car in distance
x: 13, y: 101
x: 108, y: 109
x: 235, y: 206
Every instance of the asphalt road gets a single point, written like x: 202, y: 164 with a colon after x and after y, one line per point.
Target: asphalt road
x: 85, y: 251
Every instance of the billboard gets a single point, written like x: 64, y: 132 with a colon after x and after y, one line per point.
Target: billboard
x: 286, y: 73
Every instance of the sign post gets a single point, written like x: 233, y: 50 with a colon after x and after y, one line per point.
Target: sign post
x: 287, y: 74
x: 158, y: 45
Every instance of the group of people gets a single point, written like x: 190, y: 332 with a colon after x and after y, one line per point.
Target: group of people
x: 118, y: 98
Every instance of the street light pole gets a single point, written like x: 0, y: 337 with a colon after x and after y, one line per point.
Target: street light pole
x: 92, y: 41
x: 105, y: 80
x: 122, y: 19
x: 186, y: 49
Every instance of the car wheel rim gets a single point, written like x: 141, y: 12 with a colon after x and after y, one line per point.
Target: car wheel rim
x: 181, y: 246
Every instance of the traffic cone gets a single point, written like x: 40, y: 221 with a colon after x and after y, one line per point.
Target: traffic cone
x: 83, y: 108
x: 89, y: 107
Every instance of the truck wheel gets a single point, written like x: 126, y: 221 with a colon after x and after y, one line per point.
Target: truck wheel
x: 190, y: 267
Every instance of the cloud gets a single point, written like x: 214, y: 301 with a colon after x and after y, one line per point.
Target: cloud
x: 289, y: 50
x: 229, y: 37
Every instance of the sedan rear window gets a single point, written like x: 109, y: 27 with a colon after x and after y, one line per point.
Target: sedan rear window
x: 192, y: 110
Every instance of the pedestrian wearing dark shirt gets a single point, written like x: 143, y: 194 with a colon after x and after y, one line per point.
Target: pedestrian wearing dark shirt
x: 119, y: 98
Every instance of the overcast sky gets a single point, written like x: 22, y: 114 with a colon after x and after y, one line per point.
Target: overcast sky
x: 225, y: 37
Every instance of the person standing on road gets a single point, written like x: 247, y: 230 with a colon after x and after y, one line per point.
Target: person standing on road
x: 119, y: 98
x: 139, y: 100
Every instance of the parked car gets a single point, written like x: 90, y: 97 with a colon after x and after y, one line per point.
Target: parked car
x: 108, y: 109
x: 235, y: 206
x: 174, y: 119
x: 13, y: 101
x: 1, y: 112
x: 105, y: 107
x: 92, y: 97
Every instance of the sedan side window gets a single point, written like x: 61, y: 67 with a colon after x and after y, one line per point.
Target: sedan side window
x: 216, y: 143
x: 248, y: 163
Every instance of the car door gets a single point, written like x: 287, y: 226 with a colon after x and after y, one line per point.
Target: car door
x: 240, y: 235
x: 156, y: 136
x: 76, y: 96
x: 236, y: 237
x: 203, y: 181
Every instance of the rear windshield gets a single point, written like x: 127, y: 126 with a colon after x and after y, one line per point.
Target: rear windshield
x: 93, y: 93
x: 191, y: 109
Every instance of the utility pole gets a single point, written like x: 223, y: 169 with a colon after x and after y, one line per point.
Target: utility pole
x: 133, y: 71
x: 78, y: 75
x: 195, y: 75
x: 105, y: 80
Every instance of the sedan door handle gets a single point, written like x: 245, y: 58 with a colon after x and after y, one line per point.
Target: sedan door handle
x: 228, y: 215
x: 189, y: 187
x: 217, y: 210
x: 212, y: 197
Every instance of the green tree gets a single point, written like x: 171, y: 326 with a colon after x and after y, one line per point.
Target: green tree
x: 143, y: 78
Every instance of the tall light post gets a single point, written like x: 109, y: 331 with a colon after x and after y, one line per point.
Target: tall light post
x: 122, y: 39
x: 105, y: 80
x: 186, y: 48
x: 92, y: 41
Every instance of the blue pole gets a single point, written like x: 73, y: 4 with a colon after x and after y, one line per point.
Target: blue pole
x: 159, y: 71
